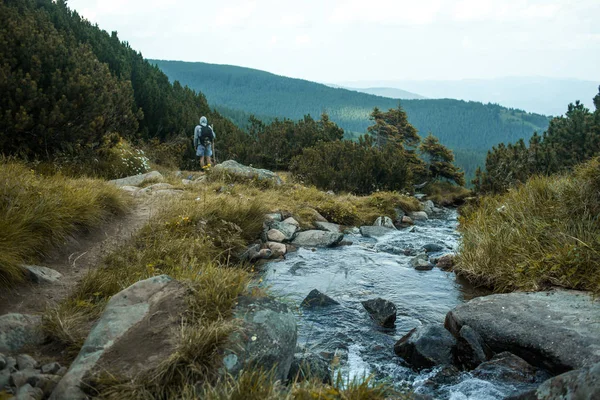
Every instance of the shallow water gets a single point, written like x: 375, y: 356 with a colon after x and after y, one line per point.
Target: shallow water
x: 371, y: 268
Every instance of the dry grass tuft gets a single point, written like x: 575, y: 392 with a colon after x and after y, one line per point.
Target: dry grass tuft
x: 39, y: 212
x: 542, y: 233
x: 446, y: 193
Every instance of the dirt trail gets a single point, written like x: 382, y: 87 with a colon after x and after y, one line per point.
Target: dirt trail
x: 74, y: 260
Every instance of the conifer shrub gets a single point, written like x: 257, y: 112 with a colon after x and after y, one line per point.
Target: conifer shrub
x: 540, y: 234
x: 357, y: 168
x: 39, y: 212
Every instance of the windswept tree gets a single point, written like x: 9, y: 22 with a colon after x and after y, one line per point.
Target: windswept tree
x: 440, y: 160
x: 393, y: 126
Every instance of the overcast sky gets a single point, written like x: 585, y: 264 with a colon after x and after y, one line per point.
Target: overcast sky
x: 352, y: 40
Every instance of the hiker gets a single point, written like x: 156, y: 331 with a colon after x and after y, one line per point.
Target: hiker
x: 204, y: 137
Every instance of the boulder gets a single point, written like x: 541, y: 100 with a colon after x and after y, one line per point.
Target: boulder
x: 135, y: 333
x: 506, y: 367
x: 21, y: 377
x: 375, y: 231
x: 555, y: 330
x: 25, y: 361
x: 407, y: 220
x: 470, y: 349
x: 18, y: 331
x: 273, y: 217
x: 238, y: 170
x: 418, y: 215
x: 385, y: 222
x: 309, y: 366
x: 137, y: 180
x: 445, y: 262
x: 317, y: 299
x: 28, y: 392
x: 51, y: 368
x: 381, y: 311
x: 4, y: 379
x: 351, y: 231
x: 312, y: 214
x: 578, y: 384
x: 37, y: 274
x: 275, y: 235
x: 287, y: 230
x: 433, y: 247
x: 2, y: 361
x: 266, y: 339
x: 421, y: 263
x: 316, y: 238
x: 428, y: 207
x: 292, y: 221
x: 46, y: 383
x: 426, y: 346
x: 328, y: 226
x: 277, y: 249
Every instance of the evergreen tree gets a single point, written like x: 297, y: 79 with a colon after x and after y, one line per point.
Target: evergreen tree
x: 440, y: 160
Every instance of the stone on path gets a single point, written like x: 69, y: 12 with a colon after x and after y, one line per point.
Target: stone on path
x: 556, y: 330
x: 18, y: 331
x: 137, y: 180
x: 241, y: 171
x: 39, y: 274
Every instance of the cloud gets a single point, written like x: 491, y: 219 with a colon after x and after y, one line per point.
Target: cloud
x: 235, y: 15
x: 303, y: 40
x: 387, y: 11
x: 507, y: 10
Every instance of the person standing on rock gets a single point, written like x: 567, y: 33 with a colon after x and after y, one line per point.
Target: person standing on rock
x: 204, y: 137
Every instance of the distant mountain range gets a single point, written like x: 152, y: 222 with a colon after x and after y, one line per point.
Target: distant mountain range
x: 469, y: 128
x: 548, y: 96
x: 392, y: 93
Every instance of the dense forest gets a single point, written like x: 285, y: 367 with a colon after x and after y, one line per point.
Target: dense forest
x: 462, y: 126
x: 71, y: 89
x: 570, y: 140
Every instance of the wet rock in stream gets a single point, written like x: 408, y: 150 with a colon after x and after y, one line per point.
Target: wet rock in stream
x: 318, y: 299
x: 381, y: 311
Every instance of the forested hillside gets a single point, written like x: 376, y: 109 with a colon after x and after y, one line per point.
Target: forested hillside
x: 458, y: 124
x: 71, y: 90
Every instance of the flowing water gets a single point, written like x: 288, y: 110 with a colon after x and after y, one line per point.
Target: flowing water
x: 371, y: 268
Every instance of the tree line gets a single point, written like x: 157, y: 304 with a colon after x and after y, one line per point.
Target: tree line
x: 570, y: 140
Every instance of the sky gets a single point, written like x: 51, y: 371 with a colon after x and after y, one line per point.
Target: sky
x: 353, y: 40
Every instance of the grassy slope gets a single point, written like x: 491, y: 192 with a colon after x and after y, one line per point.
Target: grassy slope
x: 205, y: 230
x: 542, y: 233
x: 37, y: 213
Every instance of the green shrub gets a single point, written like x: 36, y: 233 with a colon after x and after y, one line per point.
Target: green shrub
x: 543, y: 233
x: 352, y: 167
x: 37, y: 213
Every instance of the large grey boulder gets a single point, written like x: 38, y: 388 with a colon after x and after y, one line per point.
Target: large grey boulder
x: 37, y: 274
x: 314, y: 238
x: 18, y: 331
x: 556, y: 330
x: 579, y: 384
x: 137, y: 331
x: 375, y: 231
x: 266, y: 339
x: 385, y: 222
x: 328, y: 226
x: 428, y: 207
x: 137, y: 180
x: 381, y: 311
x: 426, y: 346
x: 238, y: 170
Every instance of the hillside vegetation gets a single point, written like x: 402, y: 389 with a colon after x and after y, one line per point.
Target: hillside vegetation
x: 458, y: 124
